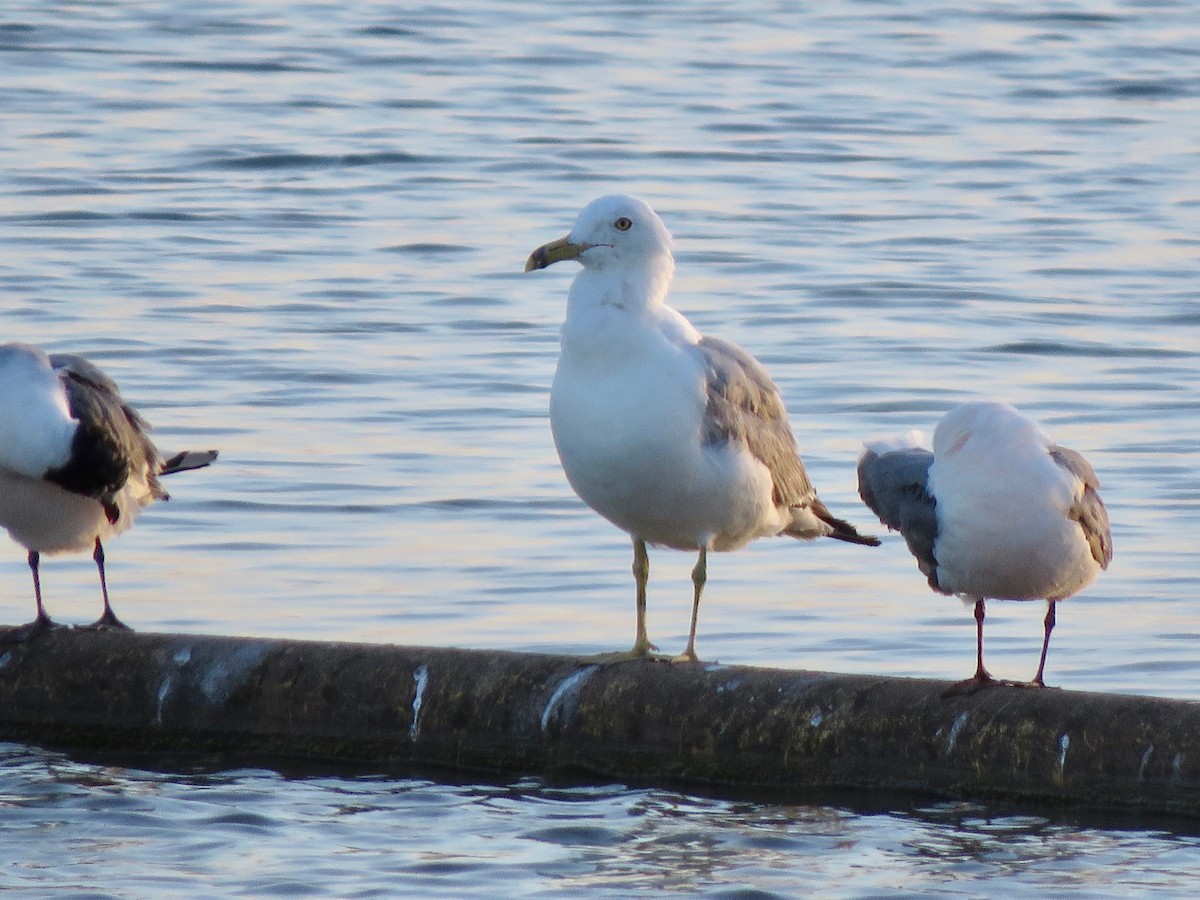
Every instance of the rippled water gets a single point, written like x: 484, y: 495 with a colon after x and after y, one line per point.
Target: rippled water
x: 255, y: 832
x: 296, y: 232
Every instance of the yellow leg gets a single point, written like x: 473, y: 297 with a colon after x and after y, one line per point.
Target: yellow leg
x: 642, y: 648
x: 699, y: 577
x: 641, y: 575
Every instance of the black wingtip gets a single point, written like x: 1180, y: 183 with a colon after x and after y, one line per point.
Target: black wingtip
x: 844, y: 531
x: 186, y: 460
x: 853, y: 537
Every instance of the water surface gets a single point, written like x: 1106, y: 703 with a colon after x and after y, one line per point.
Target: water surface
x: 296, y: 232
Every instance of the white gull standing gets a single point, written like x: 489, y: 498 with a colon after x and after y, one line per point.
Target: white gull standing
x: 76, y: 464
x: 678, y: 439
x: 995, y: 511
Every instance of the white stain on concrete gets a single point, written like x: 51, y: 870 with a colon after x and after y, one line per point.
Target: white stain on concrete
x: 226, y: 674
x: 420, y: 681
x: 179, y: 658
x: 817, y: 717
x: 1141, y: 776
x: 955, y: 727
x: 566, y: 696
x: 1063, y: 743
x: 164, y: 691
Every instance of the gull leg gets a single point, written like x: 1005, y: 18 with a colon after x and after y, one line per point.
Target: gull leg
x: 981, y: 674
x: 641, y: 575
x: 699, y: 577
x: 981, y: 679
x: 1049, y: 623
x: 642, y: 648
x: 42, y: 622
x: 35, y: 559
x: 108, y: 619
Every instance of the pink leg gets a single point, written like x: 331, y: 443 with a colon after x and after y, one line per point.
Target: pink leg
x: 108, y: 619
x: 982, y: 678
x: 42, y: 622
x: 1049, y: 623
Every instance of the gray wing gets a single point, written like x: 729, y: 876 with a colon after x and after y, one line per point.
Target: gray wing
x: 743, y: 405
x: 1089, y: 512
x: 894, y: 485
x: 110, y: 442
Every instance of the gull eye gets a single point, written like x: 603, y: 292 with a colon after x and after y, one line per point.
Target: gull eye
x: 623, y: 224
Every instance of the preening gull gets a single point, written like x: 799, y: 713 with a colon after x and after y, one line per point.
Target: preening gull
x: 995, y: 511
x: 76, y: 464
x: 678, y: 439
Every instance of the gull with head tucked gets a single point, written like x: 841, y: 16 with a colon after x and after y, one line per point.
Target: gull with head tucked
x: 679, y: 439
x: 76, y: 464
x: 995, y: 511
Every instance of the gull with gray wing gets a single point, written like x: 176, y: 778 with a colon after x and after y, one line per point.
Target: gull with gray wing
x: 996, y: 510
x: 679, y: 439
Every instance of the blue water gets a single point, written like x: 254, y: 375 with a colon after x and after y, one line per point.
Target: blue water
x: 296, y: 233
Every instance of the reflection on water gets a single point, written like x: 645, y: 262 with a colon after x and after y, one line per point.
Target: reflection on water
x: 296, y: 234
x: 258, y: 832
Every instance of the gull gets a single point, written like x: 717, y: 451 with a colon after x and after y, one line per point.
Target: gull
x: 678, y: 439
x: 76, y: 464
x: 995, y: 511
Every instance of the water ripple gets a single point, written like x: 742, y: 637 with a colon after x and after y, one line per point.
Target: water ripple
x: 296, y: 233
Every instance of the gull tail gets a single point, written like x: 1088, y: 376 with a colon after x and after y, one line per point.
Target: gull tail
x: 814, y: 520
x: 188, y: 459
x: 843, y: 530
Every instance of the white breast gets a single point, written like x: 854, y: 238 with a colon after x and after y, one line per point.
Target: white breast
x: 626, y: 411
x: 42, y: 516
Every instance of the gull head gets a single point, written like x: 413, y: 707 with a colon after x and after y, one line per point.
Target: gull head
x: 613, y: 231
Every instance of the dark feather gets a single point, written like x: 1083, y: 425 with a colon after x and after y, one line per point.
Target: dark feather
x: 894, y: 485
x: 110, y: 442
x: 842, y: 530
x: 186, y: 460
